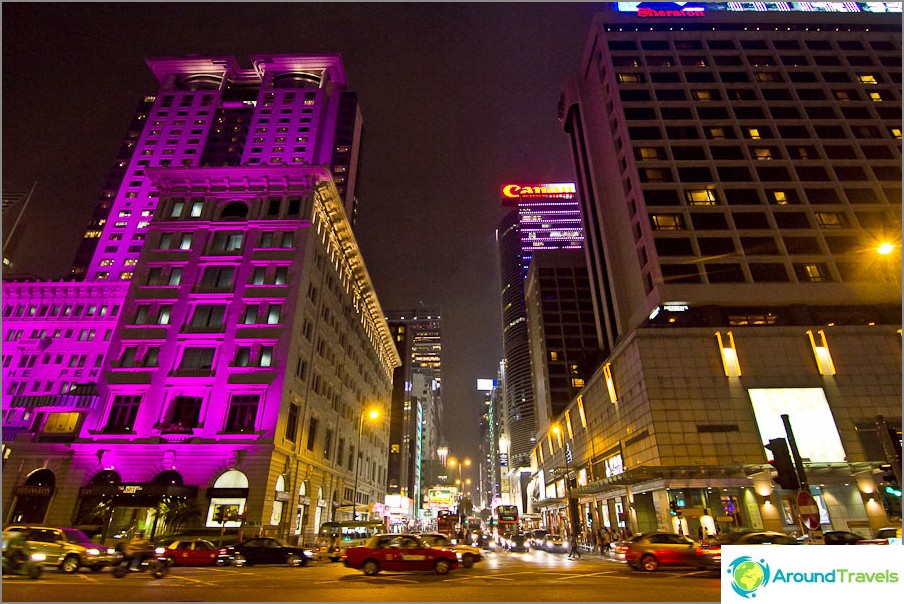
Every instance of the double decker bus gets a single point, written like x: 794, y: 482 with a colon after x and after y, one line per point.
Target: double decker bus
x: 506, y: 518
x: 445, y: 522
x: 335, y: 537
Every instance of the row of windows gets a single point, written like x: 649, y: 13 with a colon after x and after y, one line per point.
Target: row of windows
x: 760, y: 132
x: 751, y: 44
x: 271, y: 207
x: 769, y: 95
x: 713, y: 111
x: 710, y: 195
x: 228, y: 241
x: 763, y: 272
x: 759, y: 246
x: 59, y: 310
x: 758, y: 220
x: 83, y: 335
x: 769, y: 174
x: 763, y: 152
x: 208, y: 315
x: 755, y: 60
x: 29, y: 360
x: 798, y: 77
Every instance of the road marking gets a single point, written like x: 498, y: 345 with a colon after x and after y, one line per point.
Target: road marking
x: 87, y: 578
x: 193, y: 580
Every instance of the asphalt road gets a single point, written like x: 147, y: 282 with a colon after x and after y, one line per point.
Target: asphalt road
x: 501, y: 577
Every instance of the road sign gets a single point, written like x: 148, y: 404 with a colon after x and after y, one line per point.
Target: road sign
x: 808, y: 510
x: 568, y: 452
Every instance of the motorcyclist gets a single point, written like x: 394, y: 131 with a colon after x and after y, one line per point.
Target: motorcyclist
x: 15, y: 550
x: 137, y: 549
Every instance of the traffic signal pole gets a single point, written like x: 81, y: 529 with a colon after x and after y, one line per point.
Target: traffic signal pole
x: 816, y: 536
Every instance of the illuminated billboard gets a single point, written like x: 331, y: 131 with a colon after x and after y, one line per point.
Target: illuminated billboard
x: 441, y: 497
x: 810, y: 417
x: 485, y: 385
x: 698, y: 9
x: 513, y: 191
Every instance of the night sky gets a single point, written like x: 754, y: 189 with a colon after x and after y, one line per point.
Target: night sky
x: 457, y: 99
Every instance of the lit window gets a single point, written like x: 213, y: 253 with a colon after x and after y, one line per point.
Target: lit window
x: 125, y: 275
x: 895, y: 132
x: 667, y: 222
x: 814, y: 272
x: 650, y: 153
x: 196, y: 209
x: 754, y: 133
x: 867, y: 79
x: 577, y: 383
x: 701, y: 197
x: 177, y: 209
x: 553, y: 355
x: 875, y: 97
x: 780, y: 197
x: 703, y: 95
x: 628, y: 78
x: 106, y: 262
x: 761, y: 153
x: 130, y: 262
x: 830, y: 220
x: 717, y: 132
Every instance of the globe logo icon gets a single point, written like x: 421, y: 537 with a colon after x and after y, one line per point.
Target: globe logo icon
x: 748, y: 575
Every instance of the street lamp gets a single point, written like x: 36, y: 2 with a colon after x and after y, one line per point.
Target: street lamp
x: 370, y: 414
x: 452, y: 463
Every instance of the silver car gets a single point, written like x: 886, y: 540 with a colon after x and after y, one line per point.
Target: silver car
x: 68, y: 549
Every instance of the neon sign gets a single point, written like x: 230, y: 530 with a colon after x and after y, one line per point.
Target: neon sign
x: 697, y: 9
x: 650, y: 12
x: 515, y: 191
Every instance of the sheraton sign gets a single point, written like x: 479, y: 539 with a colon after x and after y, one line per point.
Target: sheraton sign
x: 650, y: 12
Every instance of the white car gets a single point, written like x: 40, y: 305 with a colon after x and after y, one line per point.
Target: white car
x: 468, y: 554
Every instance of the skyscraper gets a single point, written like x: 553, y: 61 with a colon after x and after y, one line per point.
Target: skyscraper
x: 416, y: 425
x: 739, y: 168
x: 545, y: 218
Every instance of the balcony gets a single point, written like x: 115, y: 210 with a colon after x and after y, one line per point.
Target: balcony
x: 212, y: 289
x: 144, y: 332
x: 203, y: 329
x: 208, y: 372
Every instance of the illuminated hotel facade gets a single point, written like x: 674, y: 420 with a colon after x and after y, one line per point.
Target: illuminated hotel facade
x: 545, y: 218
x: 740, y: 171
x: 229, y: 370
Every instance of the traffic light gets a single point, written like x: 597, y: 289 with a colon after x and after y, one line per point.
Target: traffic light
x: 784, y: 465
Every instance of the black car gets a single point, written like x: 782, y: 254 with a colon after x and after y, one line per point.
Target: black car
x: 518, y: 543
x: 262, y: 550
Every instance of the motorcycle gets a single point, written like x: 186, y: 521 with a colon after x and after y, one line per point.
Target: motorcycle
x: 154, y: 563
x: 17, y: 561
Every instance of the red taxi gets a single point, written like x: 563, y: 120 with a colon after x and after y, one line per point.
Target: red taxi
x: 185, y: 552
x: 399, y: 552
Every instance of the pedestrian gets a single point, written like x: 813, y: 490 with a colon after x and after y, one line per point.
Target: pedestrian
x: 575, y: 551
x: 604, y: 549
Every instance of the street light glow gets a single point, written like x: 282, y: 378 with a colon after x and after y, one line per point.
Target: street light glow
x: 885, y: 249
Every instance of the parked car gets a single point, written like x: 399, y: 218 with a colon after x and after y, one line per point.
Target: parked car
x: 190, y: 552
x: 68, y: 549
x: 836, y: 538
x: 650, y: 551
x: 262, y: 550
x: 556, y: 544
x: 400, y: 552
x: 468, y: 554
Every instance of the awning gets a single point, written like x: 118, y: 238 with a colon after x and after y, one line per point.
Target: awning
x: 83, y: 396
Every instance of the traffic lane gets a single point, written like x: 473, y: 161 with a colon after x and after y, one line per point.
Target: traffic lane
x: 520, y: 578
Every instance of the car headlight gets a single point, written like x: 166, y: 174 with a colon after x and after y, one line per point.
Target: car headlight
x: 160, y: 551
x: 111, y: 550
x: 38, y: 557
x: 92, y: 551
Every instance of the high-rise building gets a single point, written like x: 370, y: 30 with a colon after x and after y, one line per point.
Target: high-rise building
x: 545, y: 218
x: 210, y: 111
x: 416, y: 423
x: 229, y: 366
x: 14, y: 205
x: 739, y: 166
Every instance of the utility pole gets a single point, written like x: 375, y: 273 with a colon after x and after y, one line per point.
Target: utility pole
x: 816, y: 536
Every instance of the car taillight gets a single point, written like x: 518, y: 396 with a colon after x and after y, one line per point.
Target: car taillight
x: 223, y: 552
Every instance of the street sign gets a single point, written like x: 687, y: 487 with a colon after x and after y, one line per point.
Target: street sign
x: 808, y: 510
x: 568, y: 457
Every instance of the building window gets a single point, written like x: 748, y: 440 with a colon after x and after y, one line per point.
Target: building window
x: 250, y: 316
x: 185, y: 412
x: 700, y: 197
x: 226, y: 241
x: 207, y: 315
x: 218, y: 277
x: 312, y: 434
x: 328, y: 444
x: 667, y: 222
x: 197, y: 358
x: 273, y: 314
x: 123, y: 412
x: 867, y: 79
x: 831, y: 220
x: 266, y: 359
x: 292, y: 422
x: 242, y: 413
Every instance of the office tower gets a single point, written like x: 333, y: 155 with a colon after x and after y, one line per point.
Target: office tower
x: 739, y: 166
x: 210, y: 111
x: 416, y: 423
x: 14, y: 205
x: 545, y: 218
x: 561, y: 330
x: 230, y: 374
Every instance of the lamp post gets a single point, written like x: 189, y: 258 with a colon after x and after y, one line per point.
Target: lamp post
x: 371, y: 414
x: 465, y: 462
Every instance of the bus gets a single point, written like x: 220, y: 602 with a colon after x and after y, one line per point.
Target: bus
x: 506, y: 518
x: 445, y: 522
x: 335, y: 537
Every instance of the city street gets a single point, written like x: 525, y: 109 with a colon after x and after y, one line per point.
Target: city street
x: 502, y: 577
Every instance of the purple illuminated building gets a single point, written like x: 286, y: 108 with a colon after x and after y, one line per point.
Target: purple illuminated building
x: 219, y: 357
x: 545, y: 218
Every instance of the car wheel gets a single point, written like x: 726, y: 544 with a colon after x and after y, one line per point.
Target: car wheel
x: 467, y: 561
x: 69, y: 564
x: 371, y: 568
x: 97, y: 568
x: 442, y: 567
x: 171, y: 561
x: 649, y: 563
x: 35, y: 571
x: 294, y: 560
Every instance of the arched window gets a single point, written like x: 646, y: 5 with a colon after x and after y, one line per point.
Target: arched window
x: 236, y: 210
x: 106, y: 477
x: 168, y: 477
